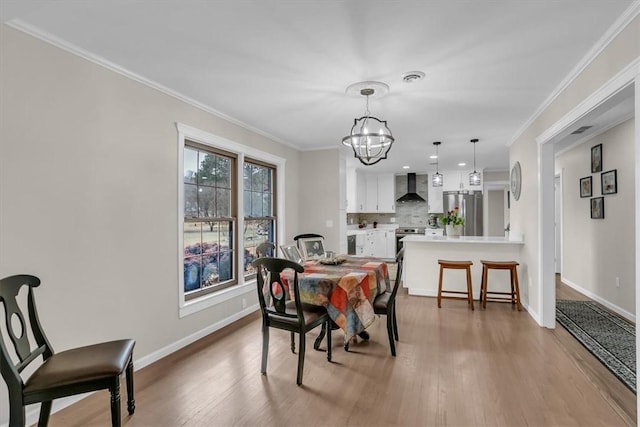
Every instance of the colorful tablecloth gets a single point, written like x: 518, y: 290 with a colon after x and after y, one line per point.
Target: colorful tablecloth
x: 346, y: 290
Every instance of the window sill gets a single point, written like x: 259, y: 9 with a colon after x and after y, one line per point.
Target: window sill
x: 216, y: 298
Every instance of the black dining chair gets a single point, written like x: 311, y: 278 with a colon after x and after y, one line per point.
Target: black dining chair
x: 385, y: 303
x: 265, y: 249
x: 289, y: 315
x: 70, y: 372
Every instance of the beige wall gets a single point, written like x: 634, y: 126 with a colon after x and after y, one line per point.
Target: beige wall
x: 88, y: 193
x: 623, y: 50
x: 595, y: 252
x: 320, y: 208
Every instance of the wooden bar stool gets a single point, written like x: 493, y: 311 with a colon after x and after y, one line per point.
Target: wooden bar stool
x: 456, y: 265
x: 514, y: 295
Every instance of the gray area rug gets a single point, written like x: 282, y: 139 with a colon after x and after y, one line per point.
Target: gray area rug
x: 608, y: 337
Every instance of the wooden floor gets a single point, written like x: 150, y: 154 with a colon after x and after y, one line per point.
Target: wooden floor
x: 455, y: 367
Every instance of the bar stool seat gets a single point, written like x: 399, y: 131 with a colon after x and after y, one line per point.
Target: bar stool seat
x: 513, y: 296
x: 456, y: 265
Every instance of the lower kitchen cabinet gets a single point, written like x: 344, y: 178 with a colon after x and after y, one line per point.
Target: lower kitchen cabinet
x: 380, y: 243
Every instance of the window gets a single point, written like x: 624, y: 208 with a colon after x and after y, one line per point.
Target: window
x: 227, y: 206
x: 259, y: 212
x: 209, y: 220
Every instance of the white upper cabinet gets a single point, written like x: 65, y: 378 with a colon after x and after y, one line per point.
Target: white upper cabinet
x: 379, y: 192
x: 435, y: 199
x: 459, y: 180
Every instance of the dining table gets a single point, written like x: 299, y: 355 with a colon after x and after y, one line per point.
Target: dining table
x: 346, y: 286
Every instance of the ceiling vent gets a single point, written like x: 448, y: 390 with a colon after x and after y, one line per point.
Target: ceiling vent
x: 412, y: 76
x: 580, y: 130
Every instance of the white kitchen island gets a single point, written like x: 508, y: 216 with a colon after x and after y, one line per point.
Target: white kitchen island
x: 421, y: 269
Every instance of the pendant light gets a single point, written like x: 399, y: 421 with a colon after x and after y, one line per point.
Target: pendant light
x: 474, y: 177
x: 437, y: 179
x: 370, y: 138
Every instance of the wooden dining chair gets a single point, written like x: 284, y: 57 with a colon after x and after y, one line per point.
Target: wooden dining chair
x: 289, y: 315
x: 266, y: 249
x: 385, y: 303
x: 70, y: 372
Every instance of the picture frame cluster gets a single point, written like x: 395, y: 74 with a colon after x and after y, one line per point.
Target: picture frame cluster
x: 608, y: 183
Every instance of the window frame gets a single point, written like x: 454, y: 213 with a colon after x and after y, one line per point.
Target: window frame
x: 274, y: 208
x: 231, y: 220
x: 244, y: 284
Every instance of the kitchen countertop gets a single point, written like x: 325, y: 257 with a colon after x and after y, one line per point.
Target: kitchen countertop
x: 353, y: 229
x: 512, y: 240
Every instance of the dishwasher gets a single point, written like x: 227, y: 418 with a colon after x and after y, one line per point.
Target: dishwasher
x: 351, y: 244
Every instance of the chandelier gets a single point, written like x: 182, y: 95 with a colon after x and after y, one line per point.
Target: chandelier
x: 370, y: 138
x: 436, y: 179
x: 474, y: 177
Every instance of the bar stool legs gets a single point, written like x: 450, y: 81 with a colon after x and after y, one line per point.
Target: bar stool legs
x: 514, y: 295
x: 456, y: 265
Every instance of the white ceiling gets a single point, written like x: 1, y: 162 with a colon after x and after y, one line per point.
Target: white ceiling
x: 282, y: 67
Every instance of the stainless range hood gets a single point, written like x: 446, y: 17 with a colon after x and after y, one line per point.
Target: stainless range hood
x: 411, y: 195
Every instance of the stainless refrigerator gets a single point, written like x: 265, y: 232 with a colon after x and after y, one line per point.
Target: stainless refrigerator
x: 469, y: 205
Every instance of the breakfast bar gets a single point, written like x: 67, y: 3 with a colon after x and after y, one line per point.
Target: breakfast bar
x: 421, y: 269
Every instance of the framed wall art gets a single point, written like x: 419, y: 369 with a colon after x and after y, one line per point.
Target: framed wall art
x: 585, y: 186
x: 596, y: 158
x: 609, y: 181
x: 597, y: 208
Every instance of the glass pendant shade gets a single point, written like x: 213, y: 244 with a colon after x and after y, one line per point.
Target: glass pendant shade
x: 437, y: 179
x: 474, y: 177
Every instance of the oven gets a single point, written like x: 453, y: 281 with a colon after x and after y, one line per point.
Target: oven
x: 406, y: 231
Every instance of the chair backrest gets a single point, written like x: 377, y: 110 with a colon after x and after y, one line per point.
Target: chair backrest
x: 16, y: 329
x: 399, y: 263
x: 306, y: 236
x: 270, y: 284
x: 266, y: 249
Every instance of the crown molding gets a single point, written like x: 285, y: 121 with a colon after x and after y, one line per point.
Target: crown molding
x: 621, y: 80
x: 620, y: 24
x: 49, y: 38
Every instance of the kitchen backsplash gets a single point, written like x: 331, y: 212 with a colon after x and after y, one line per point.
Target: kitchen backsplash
x: 410, y: 214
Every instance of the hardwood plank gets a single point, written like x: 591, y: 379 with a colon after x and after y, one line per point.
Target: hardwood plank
x: 454, y: 367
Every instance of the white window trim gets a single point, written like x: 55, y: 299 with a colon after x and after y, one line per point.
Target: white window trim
x: 244, y: 286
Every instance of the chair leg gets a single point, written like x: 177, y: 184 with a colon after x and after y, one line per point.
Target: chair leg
x: 301, y: 357
x: 323, y: 331
x: 17, y: 415
x: 395, y: 323
x: 45, y: 412
x: 517, y: 289
x: 392, y: 344
x: 293, y: 342
x: 485, y: 279
x: 115, y: 402
x: 328, y: 326
x: 469, y: 287
x: 265, y: 348
x: 440, y: 288
x: 131, y: 402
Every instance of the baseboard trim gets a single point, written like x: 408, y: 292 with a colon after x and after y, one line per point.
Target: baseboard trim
x: 622, y: 312
x: 33, y: 411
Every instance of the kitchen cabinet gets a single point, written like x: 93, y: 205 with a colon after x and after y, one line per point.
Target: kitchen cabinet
x: 379, y: 191
x: 434, y: 198
x: 355, y: 192
x: 459, y: 180
x: 380, y: 243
